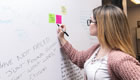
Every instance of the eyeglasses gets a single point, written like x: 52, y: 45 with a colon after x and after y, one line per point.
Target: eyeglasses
x: 89, y: 21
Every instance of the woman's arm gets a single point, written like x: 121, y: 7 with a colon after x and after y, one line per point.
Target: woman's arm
x: 77, y: 57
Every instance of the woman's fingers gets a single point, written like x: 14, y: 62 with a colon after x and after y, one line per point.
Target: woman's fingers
x: 60, y: 31
x: 63, y: 27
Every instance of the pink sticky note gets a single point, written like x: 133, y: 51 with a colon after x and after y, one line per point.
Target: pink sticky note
x: 58, y: 19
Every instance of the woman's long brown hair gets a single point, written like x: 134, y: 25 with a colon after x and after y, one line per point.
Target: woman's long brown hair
x: 113, y: 29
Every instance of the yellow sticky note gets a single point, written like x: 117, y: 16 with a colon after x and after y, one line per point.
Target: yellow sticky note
x: 63, y: 10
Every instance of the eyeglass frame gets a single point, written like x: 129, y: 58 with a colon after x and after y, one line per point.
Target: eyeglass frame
x: 89, y: 21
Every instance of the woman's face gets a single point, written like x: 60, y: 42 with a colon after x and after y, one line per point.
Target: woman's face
x: 93, y: 27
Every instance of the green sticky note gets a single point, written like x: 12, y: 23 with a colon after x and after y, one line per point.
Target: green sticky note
x: 51, y: 18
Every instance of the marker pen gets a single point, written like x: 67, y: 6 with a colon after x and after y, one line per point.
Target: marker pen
x: 63, y: 30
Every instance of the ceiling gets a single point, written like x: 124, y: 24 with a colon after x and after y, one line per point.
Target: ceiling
x: 131, y: 4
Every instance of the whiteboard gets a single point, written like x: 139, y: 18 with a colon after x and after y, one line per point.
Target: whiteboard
x: 29, y: 47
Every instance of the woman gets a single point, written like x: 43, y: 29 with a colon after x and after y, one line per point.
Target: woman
x: 113, y: 58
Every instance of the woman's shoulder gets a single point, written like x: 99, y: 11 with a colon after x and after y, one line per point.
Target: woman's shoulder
x: 123, y: 66
x: 116, y: 57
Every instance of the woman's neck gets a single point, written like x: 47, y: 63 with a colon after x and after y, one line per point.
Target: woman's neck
x: 103, y: 51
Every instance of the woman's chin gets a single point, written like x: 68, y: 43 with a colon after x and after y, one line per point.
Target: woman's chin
x: 92, y: 34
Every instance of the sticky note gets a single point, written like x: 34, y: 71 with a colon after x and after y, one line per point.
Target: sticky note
x: 51, y: 18
x: 58, y: 19
x: 63, y: 10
